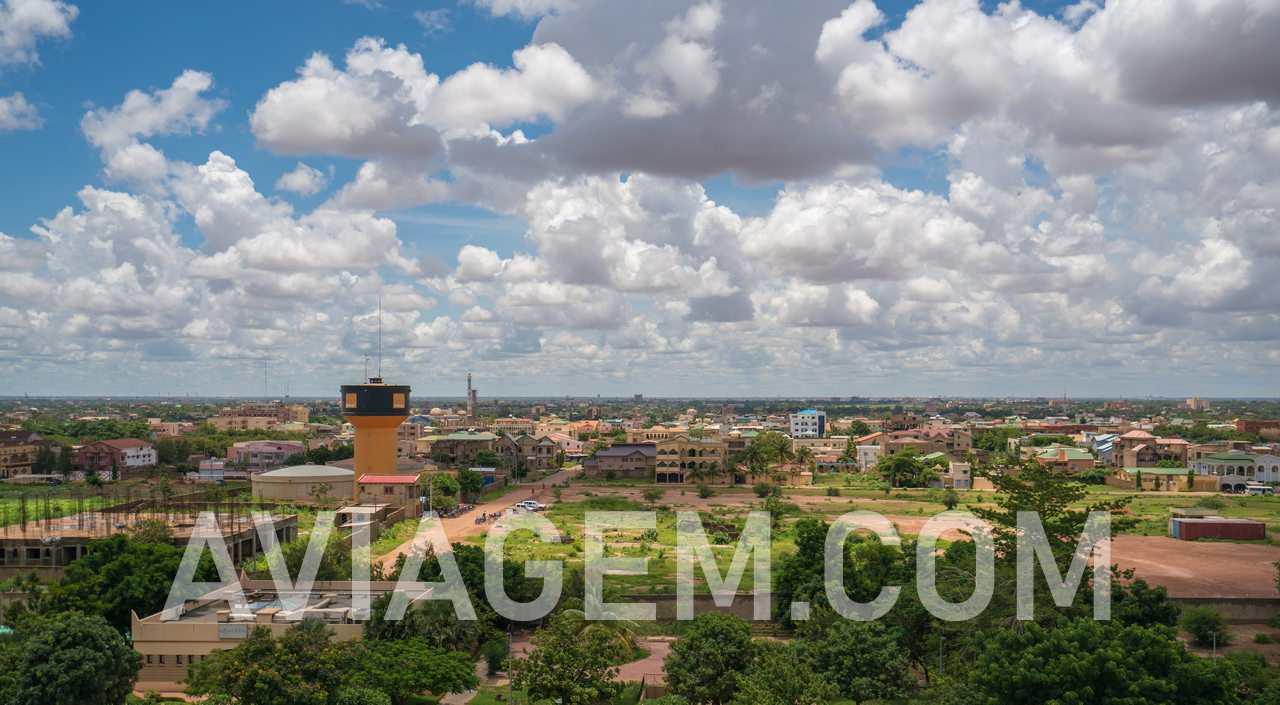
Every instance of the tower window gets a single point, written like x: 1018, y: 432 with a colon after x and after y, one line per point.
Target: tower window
x: 350, y: 402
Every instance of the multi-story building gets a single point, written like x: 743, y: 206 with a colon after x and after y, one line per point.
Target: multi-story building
x: 18, y: 451
x: 274, y: 410
x: 634, y: 461
x: 901, y: 422
x: 513, y: 426
x: 121, y: 454
x: 460, y: 445
x: 1234, y: 469
x: 1198, y: 404
x: 263, y: 455
x: 678, y: 456
x: 534, y: 452
x: 810, y: 423
x: 1257, y: 425
x: 241, y: 423
x: 1140, y: 449
x: 654, y: 433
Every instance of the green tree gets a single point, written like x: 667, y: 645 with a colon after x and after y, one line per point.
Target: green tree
x: 653, y: 495
x: 441, y: 489
x: 804, y: 456
x: 864, y: 659
x: 486, y: 459
x: 1083, y: 661
x: 402, y: 669
x: 1139, y: 603
x: 709, y: 659
x: 151, y: 530
x: 780, y: 675
x: 470, y: 481
x: 1205, y: 625
x: 567, y: 666
x: 76, y: 659
x: 904, y: 468
x: 303, y: 667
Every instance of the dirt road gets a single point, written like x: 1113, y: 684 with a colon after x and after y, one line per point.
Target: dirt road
x: 465, y: 525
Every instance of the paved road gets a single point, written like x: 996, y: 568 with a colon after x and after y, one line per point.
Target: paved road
x: 466, y: 525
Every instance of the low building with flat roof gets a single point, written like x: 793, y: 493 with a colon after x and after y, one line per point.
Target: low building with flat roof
x: 303, y: 483
x: 170, y: 641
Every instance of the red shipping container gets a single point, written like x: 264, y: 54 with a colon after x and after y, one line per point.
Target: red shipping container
x: 1218, y: 528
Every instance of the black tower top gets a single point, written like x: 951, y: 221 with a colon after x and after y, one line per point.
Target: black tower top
x: 375, y: 399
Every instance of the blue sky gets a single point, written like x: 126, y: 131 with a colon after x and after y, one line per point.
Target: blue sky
x: 944, y: 197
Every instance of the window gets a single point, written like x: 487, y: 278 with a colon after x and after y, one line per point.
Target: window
x: 397, y: 400
x: 148, y: 659
x: 161, y: 658
x: 350, y: 400
x: 178, y: 659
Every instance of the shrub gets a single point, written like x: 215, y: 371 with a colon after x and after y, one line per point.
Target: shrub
x: 360, y: 696
x: 1211, y: 503
x: 495, y: 654
x: 1202, y: 623
x: 705, y: 491
x: 833, y: 491
x: 610, y: 474
x: 766, y: 489
x: 720, y: 538
x: 649, y: 535
x: 1262, y: 638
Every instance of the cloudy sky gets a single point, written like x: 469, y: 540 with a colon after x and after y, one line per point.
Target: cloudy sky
x: 669, y: 197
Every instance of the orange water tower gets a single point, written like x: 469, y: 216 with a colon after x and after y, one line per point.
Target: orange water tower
x: 376, y: 410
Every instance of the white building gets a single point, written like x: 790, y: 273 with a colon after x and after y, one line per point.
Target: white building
x: 1235, y: 469
x: 810, y: 423
x: 868, y: 456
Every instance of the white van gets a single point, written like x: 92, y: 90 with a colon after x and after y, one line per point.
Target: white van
x: 1256, y: 489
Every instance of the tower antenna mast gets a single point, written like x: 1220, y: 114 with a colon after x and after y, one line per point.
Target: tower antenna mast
x: 379, y: 336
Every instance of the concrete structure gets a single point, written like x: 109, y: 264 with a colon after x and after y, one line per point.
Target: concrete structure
x: 810, y: 423
x: 533, y: 452
x: 1072, y: 460
x: 303, y: 483
x: 263, y: 455
x: 376, y: 410
x: 46, y: 547
x: 241, y: 423
x: 1233, y: 470
x: 18, y: 451
x: 1138, y: 448
x: 459, y: 445
x: 473, y: 407
x: 1198, y: 404
x: 677, y: 457
x: 121, y: 454
x: 171, y: 641
x: 398, y: 491
x: 274, y: 410
x: 624, y: 460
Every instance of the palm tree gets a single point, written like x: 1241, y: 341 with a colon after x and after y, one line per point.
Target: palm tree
x: 622, y: 634
x: 804, y: 456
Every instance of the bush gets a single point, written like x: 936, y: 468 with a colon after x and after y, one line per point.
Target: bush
x: 360, y: 696
x: 1202, y: 623
x: 495, y: 654
x: 766, y: 489
x: 610, y: 474
x: 649, y: 535
x: 1211, y: 503
x: 1262, y: 638
x: 705, y: 491
x: 667, y: 700
x: 720, y: 538
x: 833, y: 491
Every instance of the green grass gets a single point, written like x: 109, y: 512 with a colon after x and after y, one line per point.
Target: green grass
x: 395, y: 535
x: 497, y: 494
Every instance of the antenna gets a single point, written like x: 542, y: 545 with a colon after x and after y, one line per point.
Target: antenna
x: 379, y: 335
x: 366, y: 365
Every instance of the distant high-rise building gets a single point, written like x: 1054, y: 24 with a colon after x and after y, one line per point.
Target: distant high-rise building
x: 1198, y: 404
x: 472, y: 406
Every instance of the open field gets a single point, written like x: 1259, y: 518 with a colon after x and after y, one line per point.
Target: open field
x: 1186, y: 569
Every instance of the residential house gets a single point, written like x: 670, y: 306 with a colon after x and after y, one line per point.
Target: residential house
x: 634, y: 461
x: 121, y: 455
x: 1235, y: 469
x: 1065, y: 459
x: 257, y: 456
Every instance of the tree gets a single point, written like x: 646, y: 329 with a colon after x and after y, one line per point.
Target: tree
x: 442, y: 490
x: 302, y: 667
x: 1083, y: 661
x: 864, y: 659
x: 904, y: 468
x: 470, y: 481
x: 1205, y: 625
x: 1168, y: 463
x: 566, y: 666
x: 1051, y: 496
x: 151, y: 530
x: 402, y: 669
x: 804, y: 456
x: 1139, y: 603
x: 76, y: 659
x: 950, y: 498
x: 707, y: 662
x: 119, y: 576
x: 486, y: 459
x: 653, y: 495
x: 780, y: 675
x: 766, y: 489
x: 322, y: 494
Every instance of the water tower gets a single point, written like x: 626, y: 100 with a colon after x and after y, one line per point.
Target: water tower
x: 376, y: 410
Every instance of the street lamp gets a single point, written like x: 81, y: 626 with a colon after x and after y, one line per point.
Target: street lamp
x: 1214, y: 633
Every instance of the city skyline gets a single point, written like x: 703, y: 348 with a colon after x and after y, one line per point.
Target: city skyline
x: 714, y: 199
